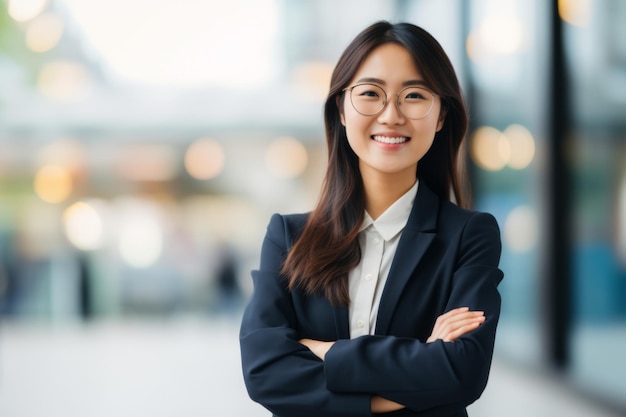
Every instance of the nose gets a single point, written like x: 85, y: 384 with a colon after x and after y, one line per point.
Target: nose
x: 391, y: 113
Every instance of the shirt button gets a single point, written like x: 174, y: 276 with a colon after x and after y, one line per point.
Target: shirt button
x: 368, y: 277
x: 360, y: 323
x: 376, y: 240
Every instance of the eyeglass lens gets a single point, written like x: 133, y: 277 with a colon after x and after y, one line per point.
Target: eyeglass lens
x: 370, y: 99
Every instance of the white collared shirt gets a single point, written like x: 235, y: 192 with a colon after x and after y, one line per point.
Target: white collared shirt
x: 378, y: 239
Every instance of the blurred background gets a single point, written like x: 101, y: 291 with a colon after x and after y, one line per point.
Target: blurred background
x: 144, y: 145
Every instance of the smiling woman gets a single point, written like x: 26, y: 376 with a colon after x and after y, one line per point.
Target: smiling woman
x: 384, y: 297
x: 185, y: 43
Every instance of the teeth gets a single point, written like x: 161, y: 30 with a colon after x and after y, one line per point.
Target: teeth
x: 386, y: 139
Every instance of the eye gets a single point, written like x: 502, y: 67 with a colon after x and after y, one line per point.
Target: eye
x: 369, y: 93
x: 416, y: 94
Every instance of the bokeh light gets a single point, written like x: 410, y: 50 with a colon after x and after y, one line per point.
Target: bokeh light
x: 64, y: 81
x: 147, y: 162
x: 490, y: 149
x: 522, y: 146
x: 497, y: 35
x: 286, y: 157
x: 140, y: 234
x: 24, y: 10
x: 83, y: 226
x: 521, y: 229
x: 44, y: 32
x: 204, y: 159
x: 53, y: 183
x: 185, y: 43
x: 575, y: 12
x: 501, y: 35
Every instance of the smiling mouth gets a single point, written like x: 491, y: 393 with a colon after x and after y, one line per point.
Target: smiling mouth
x: 390, y: 140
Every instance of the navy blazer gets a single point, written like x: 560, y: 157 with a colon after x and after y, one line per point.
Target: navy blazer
x: 447, y: 257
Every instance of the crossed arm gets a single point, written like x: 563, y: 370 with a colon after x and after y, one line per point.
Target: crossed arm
x: 448, y: 327
x: 283, y: 372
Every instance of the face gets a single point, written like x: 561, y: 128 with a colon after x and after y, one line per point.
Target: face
x: 389, y: 143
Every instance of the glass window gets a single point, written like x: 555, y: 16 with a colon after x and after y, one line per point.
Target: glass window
x: 596, y: 52
x: 507, y: 90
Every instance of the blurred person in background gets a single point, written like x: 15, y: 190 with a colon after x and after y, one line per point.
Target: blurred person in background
x: 384, y: 298
x: 227, y: 284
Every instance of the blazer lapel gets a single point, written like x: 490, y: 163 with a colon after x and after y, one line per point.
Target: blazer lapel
x: 342, y: 322
x: 417, y: 236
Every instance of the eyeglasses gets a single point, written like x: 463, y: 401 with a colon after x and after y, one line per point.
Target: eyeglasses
x: 370, y: 99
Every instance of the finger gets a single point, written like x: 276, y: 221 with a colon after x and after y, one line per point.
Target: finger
x: 453, y: 325
x: 451, y: 319
x: 462, y: 327
x: 445, y: 317
x: 461, y: 312
x: 454, y: 311
x: 457, y: 314
x: 452, y: 336
x: 449, y: 322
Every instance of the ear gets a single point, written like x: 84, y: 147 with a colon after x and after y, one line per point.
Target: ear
x: 340, y: 109
x: 442, y: 118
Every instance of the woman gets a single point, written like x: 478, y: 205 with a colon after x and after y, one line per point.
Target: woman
x: 384, y: 298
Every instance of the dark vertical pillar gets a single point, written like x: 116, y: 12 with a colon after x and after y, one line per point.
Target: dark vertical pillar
x: 557, y: 296
x: 84, y: 288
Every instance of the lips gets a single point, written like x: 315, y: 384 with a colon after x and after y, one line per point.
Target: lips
x: 390, y: 140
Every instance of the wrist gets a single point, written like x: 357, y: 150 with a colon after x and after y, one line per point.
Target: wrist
x: 324, y: 348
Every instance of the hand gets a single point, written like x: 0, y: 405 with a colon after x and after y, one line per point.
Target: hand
x: 318, y: 347
x: 377, y: 404
x: 455, y: 323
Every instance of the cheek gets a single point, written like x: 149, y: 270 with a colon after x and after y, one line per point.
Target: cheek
x: 356, y: 126
x: 353, y: 120
x: 432, y: 123
x: 356, y: 134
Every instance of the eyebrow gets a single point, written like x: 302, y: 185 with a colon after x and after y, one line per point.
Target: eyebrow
x: 404, y: 84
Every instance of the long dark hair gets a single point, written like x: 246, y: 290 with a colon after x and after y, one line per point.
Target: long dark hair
x: 328, y: 247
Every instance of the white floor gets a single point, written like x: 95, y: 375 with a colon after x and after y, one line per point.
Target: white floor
x: 187, y: 368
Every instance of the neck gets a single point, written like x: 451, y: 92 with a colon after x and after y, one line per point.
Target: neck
x: 381, y: 191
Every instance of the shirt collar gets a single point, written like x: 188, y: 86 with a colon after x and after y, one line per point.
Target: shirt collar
x: 393, y: 220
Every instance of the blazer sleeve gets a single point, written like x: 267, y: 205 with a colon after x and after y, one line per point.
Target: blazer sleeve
x: 280, y: 373
x: 438, y: 375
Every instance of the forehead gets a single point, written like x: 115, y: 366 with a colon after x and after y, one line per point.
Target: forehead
x: 390, y: 63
